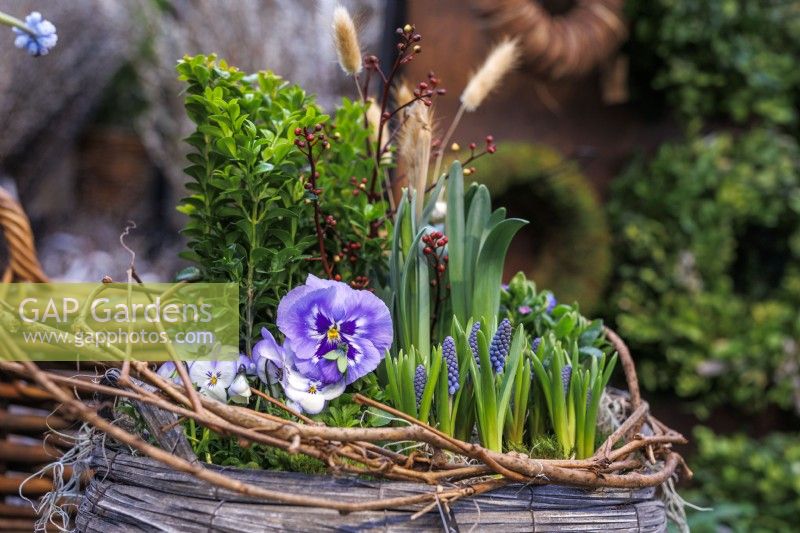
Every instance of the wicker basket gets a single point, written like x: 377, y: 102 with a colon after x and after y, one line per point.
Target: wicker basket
x: 178, y: 493
x: 25, y: 410
x: 138, y: 494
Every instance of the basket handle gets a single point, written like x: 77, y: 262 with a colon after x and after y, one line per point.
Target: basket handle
x: 627, y: 366
x: 23, y: 264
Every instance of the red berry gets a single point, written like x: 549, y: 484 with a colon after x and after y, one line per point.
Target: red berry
x: 492, y: 149
x: 428, y: 250
x: 310, y: 137
x: 489, y: 139
x: 440, y: 268
x: 298, y: 131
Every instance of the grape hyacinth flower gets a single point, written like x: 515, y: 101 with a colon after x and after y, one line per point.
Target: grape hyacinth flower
x: 551, y: 303
x: 420, y: 380
x: 38, y: 37
x: 334, y: 331
x: 451, y: 360
x: 473, y: 343
x: 566, y: 375
x: 535, y: 343
x: 213, y: 377
x: 498, y: 350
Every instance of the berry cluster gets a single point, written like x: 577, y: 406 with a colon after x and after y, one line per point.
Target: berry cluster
x: 358, y: 185
x: 489, y: 149
x: 408, y: 43
x: 501, y: 342
x: 311, y: 137
x: 435, y: 249
x: 451, y: 360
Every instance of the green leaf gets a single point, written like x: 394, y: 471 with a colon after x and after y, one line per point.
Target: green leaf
x: 489, y: 268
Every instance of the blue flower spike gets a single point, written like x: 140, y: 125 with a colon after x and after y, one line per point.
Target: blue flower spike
x: 451, y: 360
x: 498, y: 349
x: 40, y: 37
x: 420, y: 379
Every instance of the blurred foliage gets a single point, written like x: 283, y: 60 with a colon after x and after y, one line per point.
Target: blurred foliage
x: 751, y: 485
x: 734, y: 59
x: 568, y: 235
x: 707, y: 283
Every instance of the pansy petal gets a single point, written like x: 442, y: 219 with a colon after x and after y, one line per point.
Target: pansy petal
x: 310, y: 403
x: 227, y: 372
x: 333, y: 391
x: 217, y: 392
x: 366, y: 358
x: 368, y: 318
x: 200, y: 371
x: 324, y: 371
x: 240, y: 386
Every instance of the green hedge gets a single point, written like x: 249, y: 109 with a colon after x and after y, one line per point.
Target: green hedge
x: 566, y: 247
x: 707, y: 280
x: 751, y: 485
x: 733, y: 59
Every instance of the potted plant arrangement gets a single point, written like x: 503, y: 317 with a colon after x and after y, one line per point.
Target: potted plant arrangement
x: 387, y: 378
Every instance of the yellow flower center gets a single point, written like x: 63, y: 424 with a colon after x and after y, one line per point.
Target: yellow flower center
x: 312, y: 389
x: 333, y: 334
x: 213, y: 379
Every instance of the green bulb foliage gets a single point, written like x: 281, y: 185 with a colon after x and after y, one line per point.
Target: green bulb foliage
x: 729, y: 59
x: 567, y: 248
x: 707, y: 283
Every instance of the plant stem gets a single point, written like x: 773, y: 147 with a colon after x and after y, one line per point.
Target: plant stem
x: 445, y: 140
x: 14, y: 22
x: 320, y: 235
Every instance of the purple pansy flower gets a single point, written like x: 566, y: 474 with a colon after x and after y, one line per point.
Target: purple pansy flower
x: 169, y: 371
x: 270, y: 359
x: 334, y: 330
x: 213, y: 377
x: 247, y: 365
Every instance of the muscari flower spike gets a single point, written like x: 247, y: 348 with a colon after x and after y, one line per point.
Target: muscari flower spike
x: 551, y: 303
x: 451, y: 360
x: 498, y: 350
x: 420, y: 380
x: 473, y: 343
x: 535, y: 343
x: 334, y: 331
x: 41, y: 38
x: 566, y: 375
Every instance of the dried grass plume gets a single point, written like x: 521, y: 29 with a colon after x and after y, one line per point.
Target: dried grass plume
x: 498, y: 63
x: 346, y: 39
x: 415, y: 148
